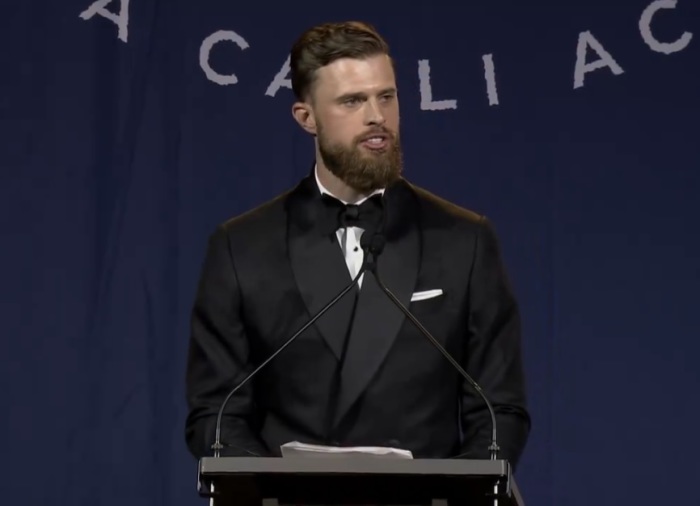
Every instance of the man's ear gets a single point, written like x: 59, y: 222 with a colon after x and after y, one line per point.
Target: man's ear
x: 304, y: 115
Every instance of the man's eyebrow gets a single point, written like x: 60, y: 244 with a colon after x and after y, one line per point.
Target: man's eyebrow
x: 359, y: 94
x: 346, y: 96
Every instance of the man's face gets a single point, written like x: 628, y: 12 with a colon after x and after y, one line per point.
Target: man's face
x: 356, y: 110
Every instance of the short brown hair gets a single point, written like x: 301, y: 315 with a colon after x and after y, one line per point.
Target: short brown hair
x: 325, y: 43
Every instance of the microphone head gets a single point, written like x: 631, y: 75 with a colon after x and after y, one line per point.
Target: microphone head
x: 373, y: 242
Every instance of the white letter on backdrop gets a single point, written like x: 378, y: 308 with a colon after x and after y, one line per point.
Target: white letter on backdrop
x: 426, y: 91
x: 206, y: 48
x: 651, y: 41
x: 121, y: 19
x: 280, y: 80
x: 490, y: 74
x: 606, y: 60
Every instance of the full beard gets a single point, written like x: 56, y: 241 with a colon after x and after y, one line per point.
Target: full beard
x: 362, y: 169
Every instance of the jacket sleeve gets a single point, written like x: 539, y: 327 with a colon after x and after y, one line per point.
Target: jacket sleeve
x: 218, y: 360
x: 493, y: 357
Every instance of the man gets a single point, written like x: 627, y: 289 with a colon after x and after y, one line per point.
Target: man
x: 362, y: 374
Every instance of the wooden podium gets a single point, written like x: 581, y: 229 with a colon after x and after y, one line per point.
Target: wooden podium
x: 356, y: 480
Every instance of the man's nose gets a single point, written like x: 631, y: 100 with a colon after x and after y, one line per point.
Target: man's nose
x: 373, y: 113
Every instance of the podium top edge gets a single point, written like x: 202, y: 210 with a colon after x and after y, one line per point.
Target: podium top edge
x: 352, y: 465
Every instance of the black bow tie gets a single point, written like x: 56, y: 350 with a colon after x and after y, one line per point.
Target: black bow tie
x: 367, y: 215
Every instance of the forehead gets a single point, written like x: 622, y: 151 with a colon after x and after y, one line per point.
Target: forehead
x: 351, y: 75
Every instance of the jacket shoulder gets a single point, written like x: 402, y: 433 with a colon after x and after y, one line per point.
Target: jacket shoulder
x: 259, y: 218
x: 436, y: 209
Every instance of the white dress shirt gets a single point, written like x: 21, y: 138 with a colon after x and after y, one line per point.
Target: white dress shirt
x: 349, y: 237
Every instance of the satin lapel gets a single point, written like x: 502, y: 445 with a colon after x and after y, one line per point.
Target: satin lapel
x: 319, y: 269
x: 377, y: 319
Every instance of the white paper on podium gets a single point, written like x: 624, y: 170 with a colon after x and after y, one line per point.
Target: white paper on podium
x: 297, y: 449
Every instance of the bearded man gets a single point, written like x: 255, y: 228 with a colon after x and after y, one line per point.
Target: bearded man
x: 362, y: 374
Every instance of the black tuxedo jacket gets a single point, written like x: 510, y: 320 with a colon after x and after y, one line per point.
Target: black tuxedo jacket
x: 268, y: 271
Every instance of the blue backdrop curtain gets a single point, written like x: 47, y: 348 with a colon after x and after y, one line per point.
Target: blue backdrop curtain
x: 130, y: 129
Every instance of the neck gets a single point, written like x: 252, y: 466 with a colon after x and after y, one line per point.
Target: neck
x: 336, y: 185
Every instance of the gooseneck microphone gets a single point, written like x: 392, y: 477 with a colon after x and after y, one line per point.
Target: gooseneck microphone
x: 373, y: 244
x: 218, y: 446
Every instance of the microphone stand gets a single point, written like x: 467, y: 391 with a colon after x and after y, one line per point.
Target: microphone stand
x: 373, y: 246
x: 218, y: 446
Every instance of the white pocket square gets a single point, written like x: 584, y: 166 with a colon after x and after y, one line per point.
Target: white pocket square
x: 427, y: 294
